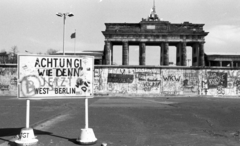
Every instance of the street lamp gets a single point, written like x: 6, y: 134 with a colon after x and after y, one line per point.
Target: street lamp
x: 64, y: 15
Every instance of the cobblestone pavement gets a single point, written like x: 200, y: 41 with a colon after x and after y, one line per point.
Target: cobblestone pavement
x: 120, y: 121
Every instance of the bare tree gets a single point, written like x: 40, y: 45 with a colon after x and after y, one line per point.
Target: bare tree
x: 14, y: 50
x: 13, y: 54
x: 51, y: 51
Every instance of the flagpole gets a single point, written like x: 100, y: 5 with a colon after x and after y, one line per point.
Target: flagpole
x: 75, y: 42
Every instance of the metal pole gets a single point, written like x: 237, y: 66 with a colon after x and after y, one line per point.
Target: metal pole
x: 28, y: 114
x: 86, y: 113
x: 75, y: 42
x: 64, y: 25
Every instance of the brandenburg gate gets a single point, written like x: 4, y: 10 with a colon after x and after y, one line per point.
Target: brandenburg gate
x: 154, y: 32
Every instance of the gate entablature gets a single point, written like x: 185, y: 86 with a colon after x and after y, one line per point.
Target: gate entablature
x: 156, y: 31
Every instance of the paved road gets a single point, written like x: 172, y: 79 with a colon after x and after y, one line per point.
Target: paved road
x: 119, y: 121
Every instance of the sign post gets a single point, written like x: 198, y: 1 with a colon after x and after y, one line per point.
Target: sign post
x: 87, y: 135
x: 53, y: 77
x: 27, y: 135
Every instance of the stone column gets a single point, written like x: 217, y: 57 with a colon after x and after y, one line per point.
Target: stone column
x: 201, y: 54
x: 142, y: 53
x: 107, y: 52
x: 179, y: 54
x: 104, y: 54
x: 184, y: 54
x: 111, y: 54
x: 166, y: 54
x: 195, y: 54
x: 162, y: 54
x: 125, y: 53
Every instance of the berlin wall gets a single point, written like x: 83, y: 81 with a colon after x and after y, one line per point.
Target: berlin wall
x: 8, y: 81
x: 167, y: 80
x: 146, y: 80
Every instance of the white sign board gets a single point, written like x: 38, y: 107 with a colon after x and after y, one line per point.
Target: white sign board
x: 42, y: 76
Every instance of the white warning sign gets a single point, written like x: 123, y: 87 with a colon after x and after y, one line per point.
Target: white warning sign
x: 55, y: 76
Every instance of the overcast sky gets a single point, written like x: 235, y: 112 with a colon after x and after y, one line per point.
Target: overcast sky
x: 33, y: 26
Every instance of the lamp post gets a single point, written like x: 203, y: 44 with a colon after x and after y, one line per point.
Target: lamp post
x: 64, y: 15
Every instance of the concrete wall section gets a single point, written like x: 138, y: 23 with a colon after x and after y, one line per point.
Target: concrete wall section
x: 145, y: 80
x: 127, y: 80
x: 219, y: 82
x: 167, y: 81
x: 172, y: 81
x: 190, y: 82
x: 8, y: 81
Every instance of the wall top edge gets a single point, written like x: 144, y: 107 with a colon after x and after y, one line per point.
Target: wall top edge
x: 145, y: 66
x: 165, y: 67
x: 8, y: 65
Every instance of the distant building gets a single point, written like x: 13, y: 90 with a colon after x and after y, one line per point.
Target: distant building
x: 8, y: 58
x: 223, y: 60
x: 98, y: 55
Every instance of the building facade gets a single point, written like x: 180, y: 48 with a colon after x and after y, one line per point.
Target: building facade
x: 98, y: 55
x: 223, y: 60
x: 154, y: 32
x: 8, y: 58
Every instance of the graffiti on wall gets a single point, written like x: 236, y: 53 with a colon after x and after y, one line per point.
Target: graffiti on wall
x: 169, y: 81
x: 172, y: 81
x: 190, y: 82
x: 166, y: 81
x: 120, y: 78
x: 233, y: 78
x: 100, y: 80
x: 127, y: 80
x: 149, y: 80
x: 4, y: 87
x: 217, y: 82
x: 8, y: 81
x: 216, y: 79
x: 237, y: 83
